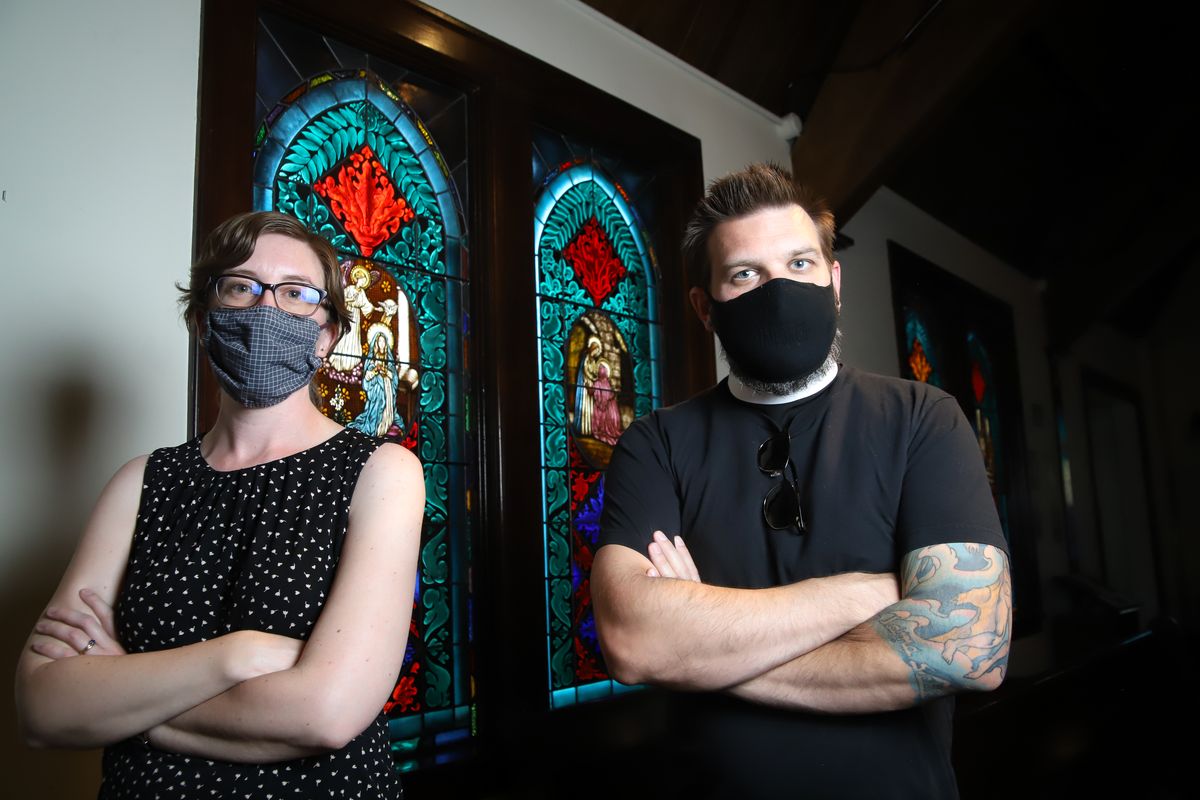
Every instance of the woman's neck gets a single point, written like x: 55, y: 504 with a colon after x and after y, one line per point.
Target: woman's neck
x: 243, y: 437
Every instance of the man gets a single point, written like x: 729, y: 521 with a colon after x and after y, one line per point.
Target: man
x: 752, y: 536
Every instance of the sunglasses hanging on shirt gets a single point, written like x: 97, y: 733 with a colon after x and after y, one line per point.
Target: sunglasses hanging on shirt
x: 781, y: 504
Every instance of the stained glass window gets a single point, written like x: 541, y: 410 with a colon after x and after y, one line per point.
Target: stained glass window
x: 346, y: 144
x: 598, y: 350
x: 922, y: 360
x: 986, y: 421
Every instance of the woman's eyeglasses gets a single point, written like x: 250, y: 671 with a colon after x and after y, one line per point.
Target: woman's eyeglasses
x: 298, y: 299
x: 781, y: 505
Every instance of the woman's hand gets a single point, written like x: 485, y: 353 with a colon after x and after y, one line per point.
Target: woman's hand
x: 67, y: 632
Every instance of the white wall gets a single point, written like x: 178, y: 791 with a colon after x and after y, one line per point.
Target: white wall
x: 97, y: 150
x: 567, y: 34
x: 868, y: 324
x: 96, y: 168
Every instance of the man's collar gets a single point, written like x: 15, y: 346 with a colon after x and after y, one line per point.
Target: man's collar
x: 744, y: 393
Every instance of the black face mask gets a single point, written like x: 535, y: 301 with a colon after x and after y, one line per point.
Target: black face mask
x: 781, y: 331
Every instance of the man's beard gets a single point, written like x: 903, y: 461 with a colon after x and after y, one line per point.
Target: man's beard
x: 789, y: 387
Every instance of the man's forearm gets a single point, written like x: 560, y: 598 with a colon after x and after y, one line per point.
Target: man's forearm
x: 857, y: 673
x: 690, y: 635
x: 951, y: 636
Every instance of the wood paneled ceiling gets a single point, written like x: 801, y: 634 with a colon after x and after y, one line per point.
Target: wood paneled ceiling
x: 1057, y: 134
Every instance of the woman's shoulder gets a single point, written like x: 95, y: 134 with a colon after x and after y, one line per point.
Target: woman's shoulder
x: 125, y: 485
x: 131, y: 471
x: 391, y: 471
x: 390, y: 455
x: 377, y: 453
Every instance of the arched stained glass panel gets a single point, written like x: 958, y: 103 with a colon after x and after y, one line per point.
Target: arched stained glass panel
x: 345, y: 152
x: 599, y: 370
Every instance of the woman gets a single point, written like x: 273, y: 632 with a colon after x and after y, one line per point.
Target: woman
x: 235, y: 614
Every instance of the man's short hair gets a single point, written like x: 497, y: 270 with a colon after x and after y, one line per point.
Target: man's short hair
x: 740, y: 194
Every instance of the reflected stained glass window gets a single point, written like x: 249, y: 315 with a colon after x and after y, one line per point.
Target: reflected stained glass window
x: 922, y: 360
x: 346, y: 144
x: 598, y: 371
x: 986, y: 421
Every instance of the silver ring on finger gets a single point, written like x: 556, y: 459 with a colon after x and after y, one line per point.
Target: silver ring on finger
x: 91, y: 643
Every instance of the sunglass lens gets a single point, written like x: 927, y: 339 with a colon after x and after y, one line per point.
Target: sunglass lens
x: 773, y: 453
x: 781, y: 507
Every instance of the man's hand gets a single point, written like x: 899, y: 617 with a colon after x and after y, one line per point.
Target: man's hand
x: 671, y: 560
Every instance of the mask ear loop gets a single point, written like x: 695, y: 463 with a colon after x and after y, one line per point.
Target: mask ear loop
x: 335, y: 334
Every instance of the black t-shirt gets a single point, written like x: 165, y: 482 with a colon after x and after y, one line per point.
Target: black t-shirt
x: 884, y: 467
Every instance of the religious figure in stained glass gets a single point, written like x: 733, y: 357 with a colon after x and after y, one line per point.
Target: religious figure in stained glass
x: 595, y: 363
x: 585, y: 378
x: 347, y: 353
x: 606, y: 424
x: 380, y: 384
x: 370, y: 382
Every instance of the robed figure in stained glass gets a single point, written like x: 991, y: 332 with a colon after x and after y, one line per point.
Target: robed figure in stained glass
x: 347, y: 354
x: 585, y: 376
x: 596, y: 361
x: 606, y: 415
x: 379, y: 383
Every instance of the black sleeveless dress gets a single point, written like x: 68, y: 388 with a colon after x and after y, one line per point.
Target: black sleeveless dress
x: 215, y: 552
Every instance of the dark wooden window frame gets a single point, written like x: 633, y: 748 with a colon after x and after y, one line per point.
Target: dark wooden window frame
x: 521, y: 744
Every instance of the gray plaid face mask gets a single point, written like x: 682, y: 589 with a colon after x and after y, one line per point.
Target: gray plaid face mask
x: 261, y: 354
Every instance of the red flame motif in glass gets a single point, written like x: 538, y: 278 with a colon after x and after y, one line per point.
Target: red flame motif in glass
x: 363, y: 198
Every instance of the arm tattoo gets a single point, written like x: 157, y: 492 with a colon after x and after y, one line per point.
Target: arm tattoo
x: 952, y: 625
